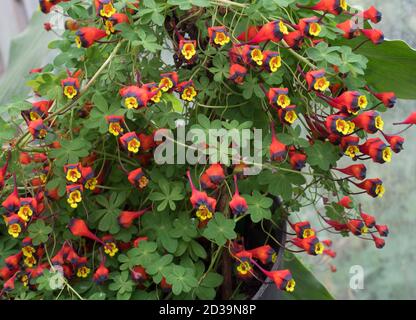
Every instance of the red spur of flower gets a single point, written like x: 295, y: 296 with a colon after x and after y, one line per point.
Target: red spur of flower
x: 237, y: 73
x: 374, y: 35
x: 378, y: 242
x: 358, y: 171
x: 382, y: 230
x: 265, y: 254
x: 215, y: 173
x: 271, y: 31
x: 79, y: 228
x: 3, y: 171
x: 12, y: 202
x: 294, y: 39
x: 238, y: 204
x: 138, y: 178
x: 369, y: 220
x: 282, y: 278
x: 335, y: 7
x: 372, y: 14
x: 350, y: 28
x: 101, y: 274
x: 410, y: 120
x: 12, y: 262
x: 126, y: 218
x: 297, y: 159
x: 357, y: 227
x: 85, y: 37
x: 278, y: 150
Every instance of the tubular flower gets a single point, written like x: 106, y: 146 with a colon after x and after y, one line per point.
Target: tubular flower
x: 147, y: 141
x: 334, y: 7
x: 309, y: 26
x: 154, y: 88
x: 349, y: 146
x: 350, y: 28
x: 374, y: 187
x: 138, y: 179
x: 238, y: 204
x: 72, y: 172
x: 410, y: 120
x: 374, y: 35
x: 346, y: 202
x: 287, y: 115
x: 278, y: 97
x: 358, y: 171
x: 378, y: 242
x: 188, y: 49
x: 10, y: 284
x: 139, y: 274
x: 382, y: 230
x: 14, y: 225
x: 271, y: 31
x: 387, y: 98
x: 74, y: 194
x: 110, y: 247
x: 282, y: 278
x: 168, y: 81
x: 357, y: 227
x: 278, y: 150
x: 297, y: 159
x: 39, y: 110
x: 70, y: 86
x: 218, y: 35
x: 338, y: 124
x: 377, y: 150
x: 135, y: 97
x: 104, y: 8
x: 206, y: 182
x: 396, y: 142
x: 369, y: 220
x: 237, y: 73
x: 303, y: 229
x: 12, y: 202
x: 28, y: 207
x: 101, y: 274
x: 249, y: 34
x: 79, y: 228
x: 126, y: 218
x: 115, y: 124
x: 372, y: 14
x: 12, y: 262
x: 215, y: 173
x: 294, y: 39
x: 265, y: 254
x: 27, y: 247
x: 311, y: 245
x: 271, y: 60
x: 88, y: 178
x: 200, y: 201
x: 85, y: 37
x: 130, y: 141
x: 349, y: 101
x: 369, y: 121
x: 187, y: 90
x: 38, y: 129
x: 114, y: 20
x: 249, y: 55
x: 316, y: 80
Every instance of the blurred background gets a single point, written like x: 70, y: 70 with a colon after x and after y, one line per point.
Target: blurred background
x: 388, y: 273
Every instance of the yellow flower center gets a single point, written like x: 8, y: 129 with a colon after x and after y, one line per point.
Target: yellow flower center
x: 43, y: 178
x: 379, y: 123
x: 165, y: 84
x: 364, y: 229
x: 133, y: 145
x: 257, y: 56
x: 25, y: 212
x: 109, y: 27
x: 283, y: 28
x: 34, y: 116
x: 244, y: 267
x: 275, y: 63
x: 157, y: 96
x: 30, y: 261
x: 91, y: 184
x: 274, y: 257
x: 290, y: 286
x: 28, y: 251
x: 380, y: 190
x: 321, y: 84
x: 74, y: 198
x: 291, y: 116
x: 189, y: 94
x: 203, y: 213
x: 342, y: 126
x: 343, y: 4
x: 188, y: 51
x: 143, y: 182
x: 78, y: 41
x: 283, y: 100
x: 83, y: 272
x: 362, y: 102
x: 221, y: 38
x: 73, y: 175
x: 131, y: 103
x: 308, y: 233
x: 25, y: 280
x: 70, y: 92
x: 14, y: 230
x: 115, y: 128
x: 319, y: 248
x: 107, y: 11
x: 315, y: 29
x: 387, y: 154
x: 352, y: 151
x: 110, y: 249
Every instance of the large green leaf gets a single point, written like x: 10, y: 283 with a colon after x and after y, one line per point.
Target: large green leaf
x: 307, y: 286
x: 391, y: 66
x: 29, y: 50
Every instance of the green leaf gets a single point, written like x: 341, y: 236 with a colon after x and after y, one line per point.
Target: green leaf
x: 182, y: 279
x: 122, y: 284
x: 307, y: 286
x: 258, y: 206
x: 39, y: 232
x: 322, y: 154
x: 220, y: 229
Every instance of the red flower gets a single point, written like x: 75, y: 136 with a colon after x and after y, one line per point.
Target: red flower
x: 79, y: 228
x: 247, y: 54
x: 350, y: 28
x: 272, y: 31
x: 294, y: 39
x: 334, y: 7
x: 135, y: 97
x: 376, y: 36
x: 147, y: 142
x: 278, y: 150
x: 349, y: 101
x: 87, y: 36
x: 138, y: 179
x: 309, y: 27
x: 369, y: 220
x: 349, y: 146
x: 88, y: 178
x: 101, y: 274
x: 411, y: 119
x: 38, y: 129
x: 137, y: 241
x: 115, y: 19
x: 47, y: 5
x: 238, y: 204
x: 104, y: 8
x: 187, y: 49
x: 278, y: 97
x: 218, y: 35
x: 388, y: 98
x: 358, y: 171
x: 265, y: 254
x: 303, y: 229
x: 126, y: 218
x: 39, y: 110
x: 357, y: 227
x: 374, y: 187
x: 73, y: 172
x: 9, y: 284
x: 237, y: 73
x: 372, y: 14
x: 282, y: 278
x: 249, y: 34
x: 378, y: 242
x: 12, y: 202
x: 330, y: 253
x: 12, y: 262
x: 369, y: 121
x: 71, y: 85
x: 316, y: 80
x: 130, y: 141
x: 187, y: 90
x: 215, y: 173
x: 396, y: 142
x: 377, y: 150
x: 71, y: 24
x: 311, y: 245
x: 271, y: 60
x: 139, y: 274
x: 206, y: 182
x: 287, y: 115
x: 297, y: 159
x: 115, y: 124
x: 168, y: 81
x: 382, y: 230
